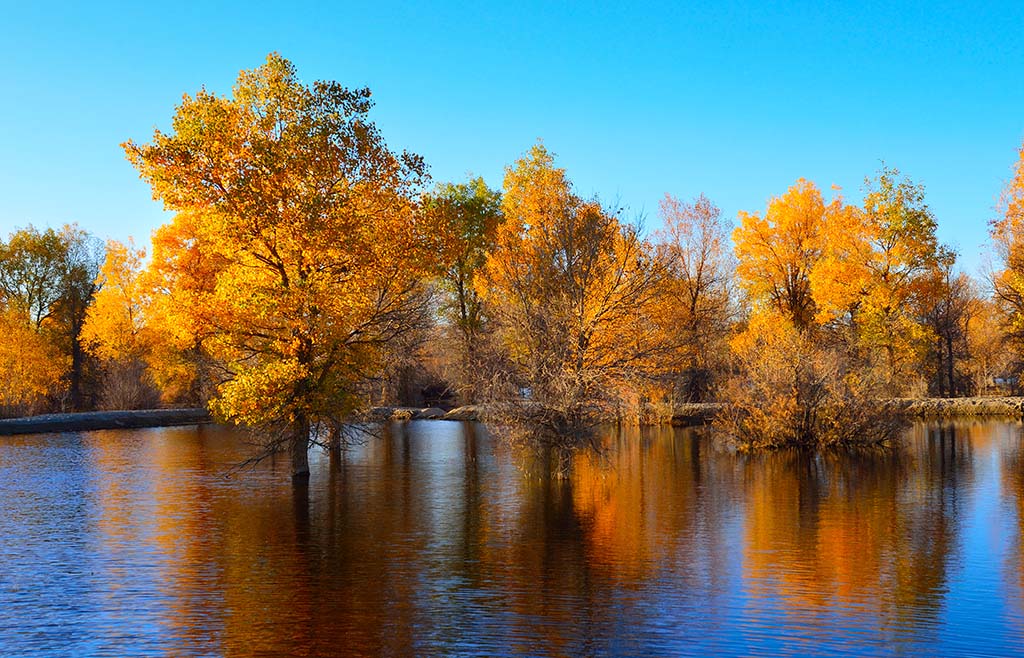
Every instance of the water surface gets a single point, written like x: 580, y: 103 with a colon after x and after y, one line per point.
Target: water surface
x: 434, y: 540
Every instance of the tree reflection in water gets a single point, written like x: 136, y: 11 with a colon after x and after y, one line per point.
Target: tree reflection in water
x: 433, y: 539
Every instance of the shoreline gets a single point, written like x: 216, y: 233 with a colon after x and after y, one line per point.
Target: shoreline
x: 103, y: 420
x: 685, y: 415
x: 700, y: 413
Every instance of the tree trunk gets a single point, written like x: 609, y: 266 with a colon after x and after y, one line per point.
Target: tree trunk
x: 949, y: 364
x: 299, y: 446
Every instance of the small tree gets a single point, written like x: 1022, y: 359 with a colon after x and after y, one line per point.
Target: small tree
x: 467, y: 216
x: 572, y: 289
x: 115, y: 330
x: 698, y: 306
x: 793, y: 390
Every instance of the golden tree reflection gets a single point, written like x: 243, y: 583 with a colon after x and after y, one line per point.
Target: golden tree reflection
x: 844, y: 537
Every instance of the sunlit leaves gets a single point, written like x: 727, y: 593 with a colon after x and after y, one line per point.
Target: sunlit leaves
x: 31, y: 367
x: 776, y: 252
x: 297, y: 247
x: 573, y: 289
x: 115, y: 321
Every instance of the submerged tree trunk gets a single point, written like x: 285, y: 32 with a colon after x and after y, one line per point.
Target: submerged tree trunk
x: 298, y: 444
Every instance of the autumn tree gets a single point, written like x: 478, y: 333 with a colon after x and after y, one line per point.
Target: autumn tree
x: 316, y: 244
x: 776, y: 253
x: 467, y: 216
x: 791, y: 389
x: 83, y: 254
x: 572, y: 288
x: 697, y: 304
x: 31, y: 366
x: 796, y: 380
x: 991, y: 356
x: 47, y: 280
x: 31, y: 264
x: 179, y: 280
x: 875, y: 268
x: 115, y: 329
x: 947, y: 305
x: 1008, y: 239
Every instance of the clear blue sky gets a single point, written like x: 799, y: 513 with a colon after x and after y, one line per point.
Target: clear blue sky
x: 735, y: 100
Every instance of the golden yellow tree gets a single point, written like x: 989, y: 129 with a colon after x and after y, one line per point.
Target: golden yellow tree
x: 776, y: 253
x: 1008, y: 240
x: 114, y: 323
x: 115, y: 329
x: 875, y: 267
x: 572, y: 288
x: 793, y: 383
x: 314, y: 228
x: 180, y: 282
x: 31, y: 367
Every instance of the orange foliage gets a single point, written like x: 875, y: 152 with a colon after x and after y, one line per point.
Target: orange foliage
x: 114, y: 324
x: 573, y: 289
x: 299, y: 239
x: 1008, y: 239
x: 777, y: 252
x: 31, y: 367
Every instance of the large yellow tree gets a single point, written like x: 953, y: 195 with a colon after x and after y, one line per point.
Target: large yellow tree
x: 777, y: 252
x: 311, y: 226
x: 876, y: 268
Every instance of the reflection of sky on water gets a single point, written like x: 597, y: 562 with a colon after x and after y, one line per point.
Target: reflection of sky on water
x: 434, y: 540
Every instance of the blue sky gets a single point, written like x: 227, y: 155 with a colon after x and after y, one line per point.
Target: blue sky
x: 735, y: 100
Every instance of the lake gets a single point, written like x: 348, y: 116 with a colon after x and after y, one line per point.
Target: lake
x: 434, y: 540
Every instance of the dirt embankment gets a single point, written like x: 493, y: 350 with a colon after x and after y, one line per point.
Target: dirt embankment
x: 103, y: 420
x: 699, y: 413
x: 958, y: 407
x: 684, y: 415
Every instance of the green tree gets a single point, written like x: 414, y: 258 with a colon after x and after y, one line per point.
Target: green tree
x: 467, y: 216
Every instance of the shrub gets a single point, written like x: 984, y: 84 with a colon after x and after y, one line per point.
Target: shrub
x: 790, y: 389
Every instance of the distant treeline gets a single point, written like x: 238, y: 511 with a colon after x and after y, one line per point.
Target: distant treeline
x: 310, y: 272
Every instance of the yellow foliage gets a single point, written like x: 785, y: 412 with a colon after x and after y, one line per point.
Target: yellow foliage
x: 297, y: 252
x: 114, y: 323
x: 31, y: 367
x: 1008, y: 239
x: 573, y: 290
x: 777, y: 252
x: 791, y: 390
x: 876, y: 263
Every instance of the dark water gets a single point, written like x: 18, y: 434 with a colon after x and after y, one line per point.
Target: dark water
x: 432, y: 541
